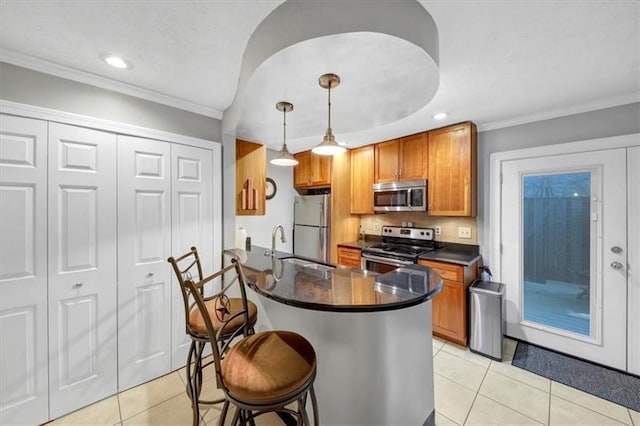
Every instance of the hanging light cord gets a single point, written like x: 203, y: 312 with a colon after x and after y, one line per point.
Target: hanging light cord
x: 329, y: 105
x: 284, y: 141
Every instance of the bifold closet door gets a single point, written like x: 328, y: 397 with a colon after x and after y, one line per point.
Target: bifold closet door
x: 144, y: 244
x: 192, y: 225
x: 82, y: 267
x: 23, y: 271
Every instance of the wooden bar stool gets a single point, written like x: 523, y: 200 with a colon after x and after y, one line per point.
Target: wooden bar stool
x: 185, y: 267
x: 263, y: 372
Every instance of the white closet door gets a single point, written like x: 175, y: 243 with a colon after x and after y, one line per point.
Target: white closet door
x: 192, y: 219
x: 82, y: 267
x: 144, y: 276
x: 633, y: 277
x: 23, y: 271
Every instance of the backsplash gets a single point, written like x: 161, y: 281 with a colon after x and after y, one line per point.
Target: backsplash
x: 449, y: 225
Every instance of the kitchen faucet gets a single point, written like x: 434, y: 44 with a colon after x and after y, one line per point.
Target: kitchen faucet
x: 273, y: 238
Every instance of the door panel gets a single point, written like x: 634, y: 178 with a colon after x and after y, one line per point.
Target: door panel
x: 633, y: 167
x: 192, y: 221
x: 82, y: 267
x: 144, y: 276
x: 574, y: 302
x: 23, y: 271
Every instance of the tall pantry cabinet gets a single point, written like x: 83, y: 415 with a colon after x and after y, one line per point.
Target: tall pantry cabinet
x: 88, y: 303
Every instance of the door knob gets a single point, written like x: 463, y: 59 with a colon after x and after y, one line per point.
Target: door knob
x: 616, y: 249
x: 616, y: 265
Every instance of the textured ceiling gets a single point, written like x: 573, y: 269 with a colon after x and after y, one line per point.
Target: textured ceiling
x: 500, y: 62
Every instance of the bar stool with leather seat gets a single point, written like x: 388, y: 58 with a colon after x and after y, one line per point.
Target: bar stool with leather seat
x: 262, y: 372
x: 185, y: 267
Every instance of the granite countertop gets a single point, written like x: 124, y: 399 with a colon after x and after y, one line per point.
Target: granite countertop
x: 328, y: 287
x: 460, y: 254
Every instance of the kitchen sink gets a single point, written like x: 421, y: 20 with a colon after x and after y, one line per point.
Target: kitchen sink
x: 307, y: 263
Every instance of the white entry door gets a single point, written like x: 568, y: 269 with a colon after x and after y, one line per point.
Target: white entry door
x: 82, y: 267
x: 192, y: 219
x: 23, y: 271
x: 633, y: 169
x: 564, y: 253
x: 144, y: 244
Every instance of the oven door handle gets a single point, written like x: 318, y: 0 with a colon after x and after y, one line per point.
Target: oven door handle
x: 386, y: 260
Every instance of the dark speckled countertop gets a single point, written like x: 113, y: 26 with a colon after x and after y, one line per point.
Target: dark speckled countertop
x: 329, y: 287
x: 461, y: 254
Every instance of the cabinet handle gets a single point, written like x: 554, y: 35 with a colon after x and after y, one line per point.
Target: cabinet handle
x: 77, y: 285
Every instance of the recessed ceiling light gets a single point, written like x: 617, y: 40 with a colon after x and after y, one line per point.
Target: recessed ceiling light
x: 440, y: 115
x: 116, y: 61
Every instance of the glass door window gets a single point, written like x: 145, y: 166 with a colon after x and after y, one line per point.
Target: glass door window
x: 557, y: 250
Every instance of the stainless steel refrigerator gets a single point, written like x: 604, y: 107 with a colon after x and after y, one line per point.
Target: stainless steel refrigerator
x: 311, y: 217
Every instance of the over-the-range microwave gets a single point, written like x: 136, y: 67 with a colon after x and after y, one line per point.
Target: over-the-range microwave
x: 407, y: 196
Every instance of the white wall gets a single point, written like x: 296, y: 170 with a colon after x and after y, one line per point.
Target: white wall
x: 279, y: 210
x: 615, y: 121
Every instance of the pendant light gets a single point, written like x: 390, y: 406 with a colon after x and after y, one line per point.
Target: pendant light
x: 329, y: 146
x: 284, y: 158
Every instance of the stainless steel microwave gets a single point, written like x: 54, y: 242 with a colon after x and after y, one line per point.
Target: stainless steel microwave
x: 407, y: 196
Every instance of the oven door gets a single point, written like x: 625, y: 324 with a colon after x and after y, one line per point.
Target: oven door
x: 381, y: 264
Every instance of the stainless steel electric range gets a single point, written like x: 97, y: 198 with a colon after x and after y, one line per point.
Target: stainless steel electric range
x: 400, y: 246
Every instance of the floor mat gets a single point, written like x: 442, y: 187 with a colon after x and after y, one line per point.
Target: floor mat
x: 605, y: 383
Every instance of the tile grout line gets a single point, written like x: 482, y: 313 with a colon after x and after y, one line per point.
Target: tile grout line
x: 593, y: 411
x: 549, y: 413
x: 477, y: 393
x: 119, y: 407
x: 513, y: 409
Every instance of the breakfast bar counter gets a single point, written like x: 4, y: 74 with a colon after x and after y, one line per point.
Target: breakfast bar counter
x: 371, y: 333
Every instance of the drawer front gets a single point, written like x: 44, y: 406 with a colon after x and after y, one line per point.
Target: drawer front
x: 446, y: 270
x: 349, y: 253
x: 352, y: 263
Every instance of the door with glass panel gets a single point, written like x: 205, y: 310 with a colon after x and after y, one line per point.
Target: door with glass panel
x: 564, y: 253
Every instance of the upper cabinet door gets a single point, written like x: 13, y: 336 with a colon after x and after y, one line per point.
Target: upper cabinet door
x: 82, y: 267
x: 387, y: 159
x: 414, y: 154
x: 362, y: 174
x: 23, y: 271
x: 144, y: 244
x: 452, y: 170
x: 312, y: 171
x: 192, y: 225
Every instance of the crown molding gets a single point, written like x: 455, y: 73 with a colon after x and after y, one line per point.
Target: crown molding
x: 52, y: 68
x: 48, y: 114
x: 562, y: 112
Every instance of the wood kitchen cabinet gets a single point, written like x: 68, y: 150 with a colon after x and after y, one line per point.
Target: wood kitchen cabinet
x: 452, y: 170
x: 362, y: 175
x: 449, y: 307
x: 312, y: 171
x: 402, y: 159
x: 251, y: 176
x: 349, y: 256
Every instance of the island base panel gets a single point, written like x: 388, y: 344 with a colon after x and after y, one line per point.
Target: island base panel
x: 374, y: 368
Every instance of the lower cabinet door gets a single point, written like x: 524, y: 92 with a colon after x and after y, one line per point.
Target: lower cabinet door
x: 24, y: 380
x: 448, y: 316
x: 82, y: 267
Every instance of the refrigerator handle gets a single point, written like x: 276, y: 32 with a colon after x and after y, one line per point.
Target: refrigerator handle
x: 321, y: 223
x: 321, y: 239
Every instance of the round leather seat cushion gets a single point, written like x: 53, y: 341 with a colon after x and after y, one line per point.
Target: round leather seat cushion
x: 268, y: 365
x: 196, y: 321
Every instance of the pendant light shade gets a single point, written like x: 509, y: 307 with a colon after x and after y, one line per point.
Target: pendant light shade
x: 284, y: 158
x: 329, y: 146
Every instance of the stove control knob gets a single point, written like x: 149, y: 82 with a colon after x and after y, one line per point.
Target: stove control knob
x: 421, y: 232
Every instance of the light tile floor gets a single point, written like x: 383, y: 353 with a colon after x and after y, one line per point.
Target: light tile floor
x: 469, y: 390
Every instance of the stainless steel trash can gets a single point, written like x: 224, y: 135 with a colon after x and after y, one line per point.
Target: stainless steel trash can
x: 486, y: 318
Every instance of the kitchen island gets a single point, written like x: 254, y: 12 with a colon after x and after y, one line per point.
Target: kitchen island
x: 371, y: 333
